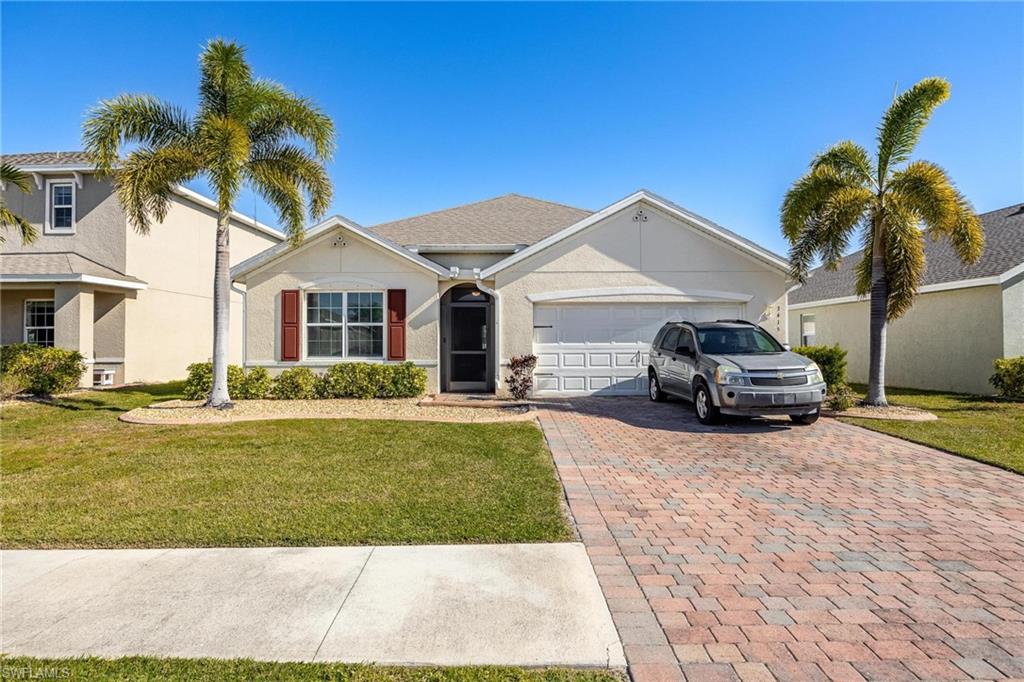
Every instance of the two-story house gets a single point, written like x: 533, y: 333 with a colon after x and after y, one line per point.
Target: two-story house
x: 139, y: 307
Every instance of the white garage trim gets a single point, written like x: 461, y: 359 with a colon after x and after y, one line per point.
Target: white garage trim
x: 691, y: 295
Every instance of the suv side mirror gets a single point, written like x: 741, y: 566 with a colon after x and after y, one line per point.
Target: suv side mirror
x: 685, y: 350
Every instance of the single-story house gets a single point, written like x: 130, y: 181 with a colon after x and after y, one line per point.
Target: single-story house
x: 460, y: 291
x: 964, y: 317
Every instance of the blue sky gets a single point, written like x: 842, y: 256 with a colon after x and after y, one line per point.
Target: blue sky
x: 715, y: 106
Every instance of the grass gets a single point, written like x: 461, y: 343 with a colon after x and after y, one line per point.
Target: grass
x: 146, y: 668
x: 984, y: 428
x: 74, y: 476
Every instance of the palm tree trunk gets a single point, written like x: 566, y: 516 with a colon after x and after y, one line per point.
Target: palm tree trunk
x: 879, y: 315
x: 219, y: 396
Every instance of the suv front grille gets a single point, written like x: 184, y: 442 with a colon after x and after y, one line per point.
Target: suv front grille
x: 798, y: 380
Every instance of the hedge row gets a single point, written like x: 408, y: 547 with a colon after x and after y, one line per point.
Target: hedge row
x: 27, y: 368
x: 344, y: 380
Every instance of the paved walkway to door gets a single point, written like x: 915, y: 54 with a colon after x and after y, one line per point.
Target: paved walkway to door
x: 756, y: 551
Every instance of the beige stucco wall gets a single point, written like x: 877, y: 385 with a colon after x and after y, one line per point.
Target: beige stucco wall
x: 99, y: 222
x: 621, y: 252
x: 170, y: 323
x: 12, y: 311
x: 946, y: 341
x: 1013, y: 317
x: 358, y: 266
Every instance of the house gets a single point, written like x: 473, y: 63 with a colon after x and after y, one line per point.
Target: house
x: 460, y: 291
x: 965, y: 316
x: 138, y: 307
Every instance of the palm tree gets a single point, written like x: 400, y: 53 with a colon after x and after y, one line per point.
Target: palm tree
x: 246, y: 130
x: 890, y: 200
x: 10, y: 175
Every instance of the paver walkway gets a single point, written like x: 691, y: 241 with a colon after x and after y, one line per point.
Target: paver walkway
x: 756, y: 551
x: 531, y: 605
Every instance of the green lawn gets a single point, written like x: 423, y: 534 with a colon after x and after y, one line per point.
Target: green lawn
x: 74, y: 476
x: 983, y: 428
x: 143, y: 668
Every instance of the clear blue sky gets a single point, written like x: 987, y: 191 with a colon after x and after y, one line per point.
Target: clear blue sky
x: 715, y: 106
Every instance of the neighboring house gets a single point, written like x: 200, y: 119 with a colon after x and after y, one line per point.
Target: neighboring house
x: 964, y: 317
x: 138, y: 307
x: 460, y: 291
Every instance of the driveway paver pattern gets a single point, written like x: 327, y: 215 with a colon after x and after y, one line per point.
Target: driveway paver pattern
x: 759, y: 550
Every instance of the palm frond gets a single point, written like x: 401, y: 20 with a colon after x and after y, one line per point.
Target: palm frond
x: 12, y: 175
x: 224, y: 73
x: 844, y: 212
x: 904, y: 256
x: 279, y: 188
x: 145, y: 182
x: 847, y: 158
x: 863, y: 269
x: 132, y: 118
x: 223, y: 144
x: 276, y: 114
x: 903, y: 122
x: 301, y: 169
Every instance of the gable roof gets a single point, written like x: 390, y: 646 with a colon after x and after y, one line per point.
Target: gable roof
x: 508, y: 219
x: 700, y: 223
x: 1004, y: 251
x: 76, y: 159
x: 333, y: 223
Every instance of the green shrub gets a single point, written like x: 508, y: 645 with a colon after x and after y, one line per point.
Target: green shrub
x: 200, y: 381
x: 12, y: 352
x: 520, y: 379
x: 296, y: 383
x: 45, y: 371
x: 840, y: 398
x: 372, y: 380
x: 257, y: 384
x: 831, y: 360
x: 12, y: 385
x: 1009, y: 377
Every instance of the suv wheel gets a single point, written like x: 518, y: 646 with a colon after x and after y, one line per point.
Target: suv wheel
x: 805, y: 419
x: 654, y: 388
x: 705, y: 408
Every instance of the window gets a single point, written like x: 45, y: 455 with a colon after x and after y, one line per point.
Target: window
x: 671, y: 340
x: 685, y: 339
x: 60, y: 207
x: 807, y: 330
x: 733, y: 340
x: 39, y: 322
x: 345, y: 324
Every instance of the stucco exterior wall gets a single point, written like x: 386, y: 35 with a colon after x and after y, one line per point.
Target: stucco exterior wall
x: 99, y: 222
x: 12, y: 312
x: 358, y: 266
x: 621, y: 252
x: 946, y: 341
x: 170, y: 323
x: 1013, y: 317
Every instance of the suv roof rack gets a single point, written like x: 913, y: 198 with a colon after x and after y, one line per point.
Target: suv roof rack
x: 738, y: 322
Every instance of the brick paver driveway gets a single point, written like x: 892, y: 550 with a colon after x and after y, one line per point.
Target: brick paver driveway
x: 757, y: 550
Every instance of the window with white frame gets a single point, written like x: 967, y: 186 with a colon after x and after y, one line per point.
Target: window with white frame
x: 60, y: 207
x: 345, y: 324
x: 807, y: 330
x: 39, y: 322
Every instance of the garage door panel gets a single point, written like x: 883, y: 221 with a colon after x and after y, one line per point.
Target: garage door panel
x: 601, y: 349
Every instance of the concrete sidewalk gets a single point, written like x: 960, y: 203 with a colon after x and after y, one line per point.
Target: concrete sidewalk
x: 536, y: 604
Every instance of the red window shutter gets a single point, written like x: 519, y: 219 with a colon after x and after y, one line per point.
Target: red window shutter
x: 290, y: 324
x: 396, y: 324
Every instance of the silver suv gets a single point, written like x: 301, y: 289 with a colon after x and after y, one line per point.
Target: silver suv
x: 733, y: 367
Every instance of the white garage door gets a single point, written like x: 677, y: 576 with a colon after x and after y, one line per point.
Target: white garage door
x: 601, y: 348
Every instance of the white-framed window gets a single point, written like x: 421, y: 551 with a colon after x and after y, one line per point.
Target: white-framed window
x: 345, y: 324
x: 60, y: 207
x: 807, y: 330
x: 39, y: 322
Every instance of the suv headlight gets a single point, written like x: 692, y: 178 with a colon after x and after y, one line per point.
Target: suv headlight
x: 815, y: 373
x: 728, y: 376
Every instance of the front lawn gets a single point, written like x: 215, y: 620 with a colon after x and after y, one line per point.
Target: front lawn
x: 74, y: 476
x: 146, y: 668
x: 983, y: 428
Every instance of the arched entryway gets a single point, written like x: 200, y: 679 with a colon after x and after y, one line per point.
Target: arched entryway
x: 467, y: 350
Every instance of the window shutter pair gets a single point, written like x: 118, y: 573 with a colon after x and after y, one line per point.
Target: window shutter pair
x: 290, y: 333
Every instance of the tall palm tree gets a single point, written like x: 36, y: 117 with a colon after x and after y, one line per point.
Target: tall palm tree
x: 246, y: 130
x: 890, y: 201
x: 10, y: 175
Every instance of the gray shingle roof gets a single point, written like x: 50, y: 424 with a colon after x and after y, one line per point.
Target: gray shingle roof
x: 58, y: 263
x: 1004, y: 250
x: 508, y: 219
x: 48, y: 159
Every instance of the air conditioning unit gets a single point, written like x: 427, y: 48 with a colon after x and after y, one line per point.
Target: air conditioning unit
x: 102, y: 377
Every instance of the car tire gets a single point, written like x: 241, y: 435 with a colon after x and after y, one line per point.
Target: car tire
x: 654, y: 391
x: 704, y: 407
x: 805, y: 419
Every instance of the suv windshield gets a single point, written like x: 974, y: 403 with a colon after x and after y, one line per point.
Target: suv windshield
x: 734, y: 340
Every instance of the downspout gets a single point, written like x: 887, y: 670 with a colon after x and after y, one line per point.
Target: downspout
x: 497, y: 329
x: 245, y: 326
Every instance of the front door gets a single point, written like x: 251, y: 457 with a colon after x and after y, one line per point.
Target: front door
x: 467, y: 343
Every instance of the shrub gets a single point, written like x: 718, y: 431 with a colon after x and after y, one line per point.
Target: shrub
x: 1009, y: 377
x: 831, y: 360
x: 257, y: 384
x: 371, y: 380
x: 11, y: 352
x: 840, y: 398
x: 44, y: 371
x: 296, y: 383
x: 12, y: 385
x: 200, y: 381
x: 520, y: 378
